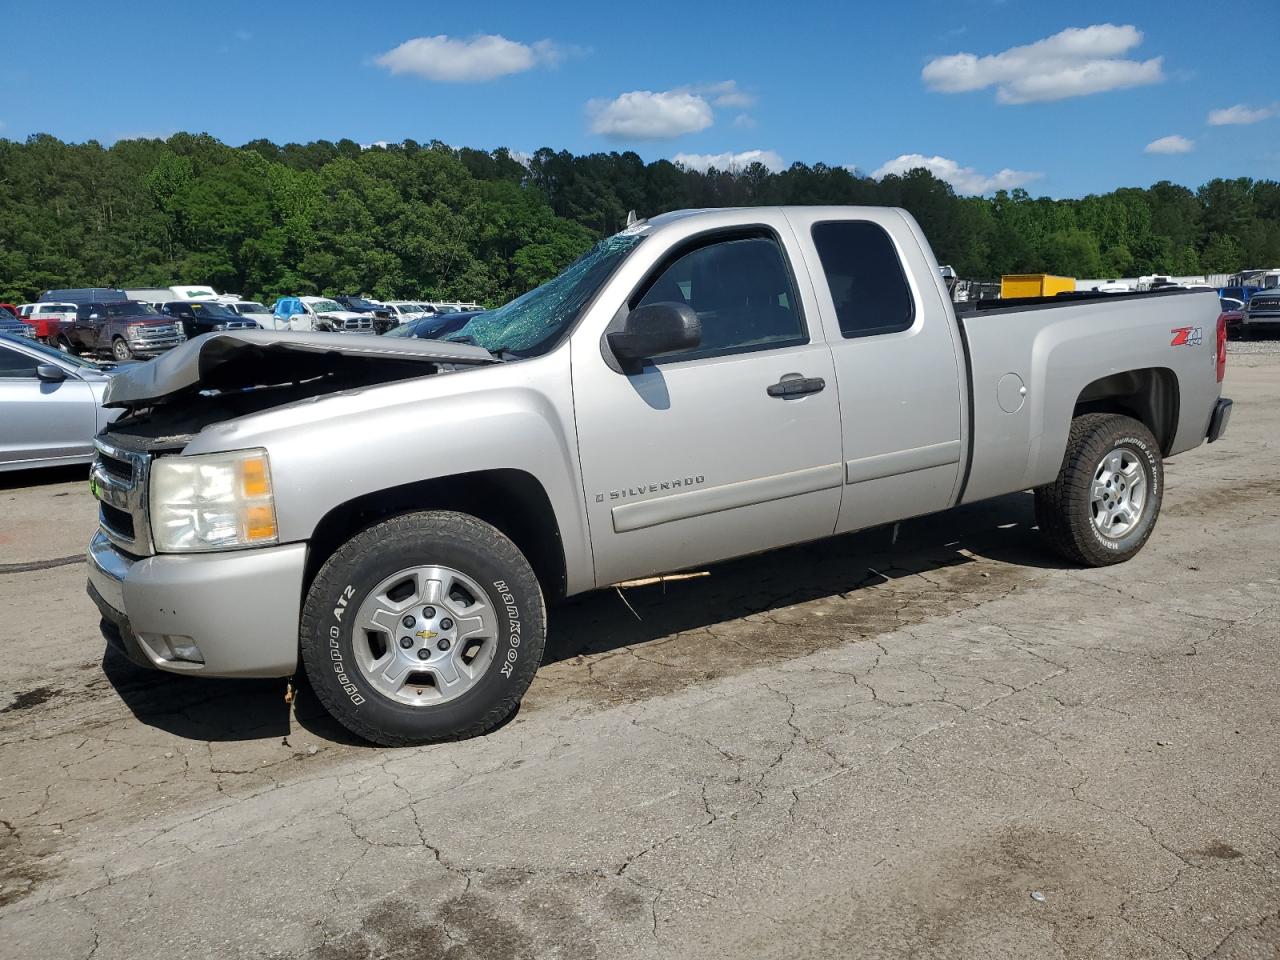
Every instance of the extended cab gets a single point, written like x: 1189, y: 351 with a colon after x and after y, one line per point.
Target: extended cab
x: 391, y: 514
x: 320, y: 314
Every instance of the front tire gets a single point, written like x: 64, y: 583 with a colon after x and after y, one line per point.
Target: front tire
x: 426, y: 627
x: 120, y: 350
x: 1103, y: 505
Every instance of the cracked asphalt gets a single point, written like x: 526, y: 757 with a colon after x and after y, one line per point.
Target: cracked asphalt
x: 929, y: 741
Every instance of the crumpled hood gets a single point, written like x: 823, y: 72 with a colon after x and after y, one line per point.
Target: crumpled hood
x: 235, y: 359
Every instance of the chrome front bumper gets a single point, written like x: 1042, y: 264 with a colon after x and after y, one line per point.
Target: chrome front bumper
x: 240, y: 608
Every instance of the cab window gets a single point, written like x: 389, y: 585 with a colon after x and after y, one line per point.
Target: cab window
x: 742, y: 292
x: 867, y: 283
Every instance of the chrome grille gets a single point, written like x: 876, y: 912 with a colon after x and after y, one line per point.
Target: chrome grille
x: 158, y: 335
x: 357, y: 323
x: 118, y: 479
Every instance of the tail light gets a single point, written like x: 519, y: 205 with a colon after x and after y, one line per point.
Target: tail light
x: 1222, y: 346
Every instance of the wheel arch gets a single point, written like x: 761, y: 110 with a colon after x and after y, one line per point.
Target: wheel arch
x: 514, y: 501
x: 1149, y: 395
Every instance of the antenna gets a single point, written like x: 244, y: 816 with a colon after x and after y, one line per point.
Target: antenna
x: 631, y: 217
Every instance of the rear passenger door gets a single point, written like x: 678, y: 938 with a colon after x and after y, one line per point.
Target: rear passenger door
x: 898, y: 363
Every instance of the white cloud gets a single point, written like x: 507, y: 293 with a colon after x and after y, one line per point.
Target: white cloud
x: 646, y: 115
x: 475, y: 60
x: 1241, y: 114
x: 964, y: 180
x: 745, y: 120
x: 728, y: 161
x: 1170, y: 144
x: 1074, y: 63
x: 726, y: 93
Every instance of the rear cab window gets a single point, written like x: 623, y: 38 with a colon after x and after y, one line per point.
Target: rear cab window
x: 867, y: 282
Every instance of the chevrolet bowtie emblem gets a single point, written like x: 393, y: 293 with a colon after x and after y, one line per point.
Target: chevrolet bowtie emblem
x: 426, y: 634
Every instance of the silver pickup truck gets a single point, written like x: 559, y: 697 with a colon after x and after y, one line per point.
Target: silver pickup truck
x: 392, y: 514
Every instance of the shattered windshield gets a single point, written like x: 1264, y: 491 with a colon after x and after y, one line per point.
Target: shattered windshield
x: 532, y: 323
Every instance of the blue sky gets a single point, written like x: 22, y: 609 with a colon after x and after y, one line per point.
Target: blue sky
x: 1125, y: 103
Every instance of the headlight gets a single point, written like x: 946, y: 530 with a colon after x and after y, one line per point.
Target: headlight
x: 133, y: 332
x: 216, y: 501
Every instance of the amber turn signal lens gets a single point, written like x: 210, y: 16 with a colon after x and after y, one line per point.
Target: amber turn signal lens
x: 259, y: 523
x: 254, y: 479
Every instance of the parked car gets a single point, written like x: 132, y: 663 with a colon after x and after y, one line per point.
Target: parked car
x: 1238, y: 292
x: 10, y: 309
x: 432, y: 326
x: 383, y: 320
x: 1232, y: 315
x: 205, y: 316
x: 404, y: 310
x: 1261, y: 313
x: 52, y: 406
x: 701, y: 386
x: 125, y: 330
x: 321, y: 314
x: 253, y: 310
x: 79, y: 295
x: 51, y: 321
x: 14, y: 327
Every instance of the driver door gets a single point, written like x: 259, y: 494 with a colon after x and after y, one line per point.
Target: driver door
x: 694, y: 458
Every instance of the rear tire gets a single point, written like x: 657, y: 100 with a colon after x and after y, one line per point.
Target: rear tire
x: 1106, y: 499
x: 63, y: 344
x: 412, y: 683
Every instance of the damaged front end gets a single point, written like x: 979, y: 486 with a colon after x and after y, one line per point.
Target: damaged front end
x: 225, y: 376
x: 237, y: 361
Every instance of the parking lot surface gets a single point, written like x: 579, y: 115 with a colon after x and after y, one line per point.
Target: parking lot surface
x: 930, y: 741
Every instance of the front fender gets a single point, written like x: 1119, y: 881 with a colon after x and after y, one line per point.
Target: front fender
x: 331, y: 450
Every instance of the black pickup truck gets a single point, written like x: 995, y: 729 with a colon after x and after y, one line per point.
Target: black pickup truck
x: 206, y: 316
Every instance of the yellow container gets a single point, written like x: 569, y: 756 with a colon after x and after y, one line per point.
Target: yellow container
x: 1014, y: 285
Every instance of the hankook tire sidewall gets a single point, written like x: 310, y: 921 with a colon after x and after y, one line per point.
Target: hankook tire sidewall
x: 517, y: 608
x: 1150, y: 466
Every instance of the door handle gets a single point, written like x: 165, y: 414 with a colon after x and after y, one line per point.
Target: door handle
x: 794, y: 385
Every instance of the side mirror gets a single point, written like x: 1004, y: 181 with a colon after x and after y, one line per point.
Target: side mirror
x: 50, y: 373
x: 655, y: 329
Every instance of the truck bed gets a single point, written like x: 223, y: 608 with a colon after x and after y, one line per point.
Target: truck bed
x: 1058, y: 349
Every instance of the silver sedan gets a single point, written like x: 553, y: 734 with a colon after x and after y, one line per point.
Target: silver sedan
x: 50, y: 406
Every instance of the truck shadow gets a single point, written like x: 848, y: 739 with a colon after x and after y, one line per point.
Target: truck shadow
x: 44, y: 477
x: 1000, y: 530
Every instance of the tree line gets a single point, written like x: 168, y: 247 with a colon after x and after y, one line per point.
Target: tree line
x: 430, y: 221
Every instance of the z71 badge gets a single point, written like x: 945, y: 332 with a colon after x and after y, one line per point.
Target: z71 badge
x: 1187, y: 337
